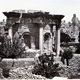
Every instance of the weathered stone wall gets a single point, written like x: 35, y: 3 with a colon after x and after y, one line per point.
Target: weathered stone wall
x: 19, y: 29
x: 21, y: 62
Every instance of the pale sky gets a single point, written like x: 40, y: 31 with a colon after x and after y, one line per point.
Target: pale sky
x: 64, y: 7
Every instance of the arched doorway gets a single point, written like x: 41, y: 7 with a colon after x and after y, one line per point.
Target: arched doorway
x: 27, y: 39
x: 46, y: 40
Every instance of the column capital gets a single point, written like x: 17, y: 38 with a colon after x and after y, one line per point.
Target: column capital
x: 58, y: 26
x: 58, y: 23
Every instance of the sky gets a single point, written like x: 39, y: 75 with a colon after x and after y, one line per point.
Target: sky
x: 62, y: 7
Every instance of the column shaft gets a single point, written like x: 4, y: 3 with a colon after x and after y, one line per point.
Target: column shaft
x: 51, y: 39
x: 41, y: 38
x: 10, y: 33
x: 57, y: 40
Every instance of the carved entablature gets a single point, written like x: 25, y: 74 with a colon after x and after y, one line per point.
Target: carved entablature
x: 36, y: 17
x: 27, y: 20
x: 37, y: 20
x: 57, y: 22
x: 11, y: 21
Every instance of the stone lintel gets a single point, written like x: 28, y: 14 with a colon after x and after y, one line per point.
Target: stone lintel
x: 33, y: 15
x: 37, y: 20
x: 37, y: 17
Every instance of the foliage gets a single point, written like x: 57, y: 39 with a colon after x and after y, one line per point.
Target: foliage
x: 12, y: 49
x: 71, y: 28
x: 78, y: 49
x: 65, y: 38
x: 67, y: 54
x: 46, y: 67
x: 68, y: 51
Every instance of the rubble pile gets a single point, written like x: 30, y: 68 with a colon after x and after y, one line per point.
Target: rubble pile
x: 24, y: 73
x: 68, y: 72
x: 73, y: 69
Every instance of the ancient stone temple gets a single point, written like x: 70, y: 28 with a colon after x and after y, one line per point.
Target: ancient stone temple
x: 37, y: 28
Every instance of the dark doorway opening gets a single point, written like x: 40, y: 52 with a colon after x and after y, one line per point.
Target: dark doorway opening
x: 46, y: 40
x: 27, y: 40
x: 46, y: 36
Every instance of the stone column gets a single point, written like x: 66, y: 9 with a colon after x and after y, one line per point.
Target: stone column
x: 51, y: 39
x: 50, y: 43
x: 57, y: 40
x: 10, y: 33
x: 32, y: 43
x: 41, y: 38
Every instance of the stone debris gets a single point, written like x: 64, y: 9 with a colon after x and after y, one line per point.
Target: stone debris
x: 72, y: 70
x: 24, y: 73
x: 1, y: 75
x: 59, y: 78
x: 68, y: 72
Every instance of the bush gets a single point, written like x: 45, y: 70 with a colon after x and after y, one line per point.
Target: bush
x: 46, y: 67
x: 12, y: 49
x: 78, y: 49
x: 67, y: 54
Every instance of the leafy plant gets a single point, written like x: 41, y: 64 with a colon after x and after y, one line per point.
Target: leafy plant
x: 46, y: 67
x: 67, y: 55
x: 12, y: 49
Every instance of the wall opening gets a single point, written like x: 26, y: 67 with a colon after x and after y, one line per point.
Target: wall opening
x: 46, y: 40
x: 27, y: 40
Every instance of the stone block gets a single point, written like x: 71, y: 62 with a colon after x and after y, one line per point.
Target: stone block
x: 21, y: 62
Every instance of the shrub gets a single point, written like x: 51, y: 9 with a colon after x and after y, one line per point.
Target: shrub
x: 12, y: 49
x: 78, y: 49
x: 46, y: 67
x: 67, y: 54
